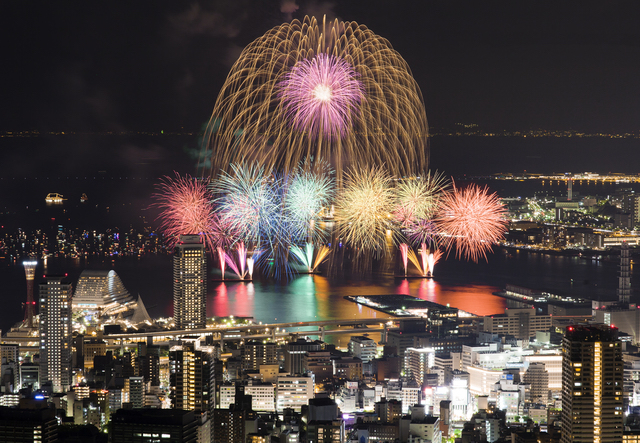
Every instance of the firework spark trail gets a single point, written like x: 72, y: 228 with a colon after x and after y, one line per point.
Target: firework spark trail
x: 404, y: 249
x: 307, y: 194
x: 362, y: 209
x: 321, y: 256
x: 221, y: 259
x: 321, y: 94
x: 186, y: 209
x: 242, y: 257
x: 472, y: 220
x: 252, y: 203
x: 416, y: 262
x: 417, y: 198
x: 424, y: 256
x: 422, y: 231
x: 432, y: 259
x: 251, y: 120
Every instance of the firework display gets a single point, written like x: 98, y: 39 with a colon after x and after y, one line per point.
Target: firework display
x: 472, y: 220
x: 417, y: 198
x: 307, y: 90
x: 363, y: 208
x: 320, y: 95
x: 186, y: 205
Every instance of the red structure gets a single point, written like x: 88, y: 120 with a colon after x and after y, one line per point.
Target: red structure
x: 30, y: 271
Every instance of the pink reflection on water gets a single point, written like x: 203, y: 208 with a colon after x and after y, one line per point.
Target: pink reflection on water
x: 476, y: 299
x: 403, y: 287
x: 220, y: 304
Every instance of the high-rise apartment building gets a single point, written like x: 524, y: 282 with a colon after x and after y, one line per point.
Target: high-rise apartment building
x: 256, y: 353
x: 592, y: 394
x: 190, y: 283
x: 191, y: 378
x: 537, y: 377
x: 55, y: 333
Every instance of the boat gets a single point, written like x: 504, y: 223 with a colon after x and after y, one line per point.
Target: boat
x: 83, y: 198
x: 54, y: 197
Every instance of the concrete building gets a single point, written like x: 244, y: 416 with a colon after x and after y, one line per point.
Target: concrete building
x: 257, y: 353
x: 592, y: 404
x: 418, y: 362
x: 189, y: 283
x: 293, y: 392
x: 294, y: 353
x: 537, y: 377
x: 55, y: 333
x: 363, y: 347
x: 522, y: 323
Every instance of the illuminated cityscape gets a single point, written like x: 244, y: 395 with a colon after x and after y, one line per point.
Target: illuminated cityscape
x: 295, y: 221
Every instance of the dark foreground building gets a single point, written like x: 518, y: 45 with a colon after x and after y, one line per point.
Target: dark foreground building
x: 151, y: 425
x: 29, y: 423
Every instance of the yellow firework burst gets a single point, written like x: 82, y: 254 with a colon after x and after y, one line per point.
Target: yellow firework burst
x: 363, y: 209
x: 307, y: 90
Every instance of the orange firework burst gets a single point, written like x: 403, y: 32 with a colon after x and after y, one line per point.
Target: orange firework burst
x: 472, y: 220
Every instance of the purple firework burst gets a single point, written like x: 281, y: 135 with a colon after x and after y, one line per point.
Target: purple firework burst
x: 321, y: 94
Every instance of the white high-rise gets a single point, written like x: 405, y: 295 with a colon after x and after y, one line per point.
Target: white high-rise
x: 190, y: 283
x: 55, y: 333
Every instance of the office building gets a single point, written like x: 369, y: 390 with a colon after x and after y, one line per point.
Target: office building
x: 189, y: 283
x: 363, y: 347
x: 522, y: 323
x: 293, y: 392
x: 294, y: 353
x: 55, y: 333
x: 592, y: 387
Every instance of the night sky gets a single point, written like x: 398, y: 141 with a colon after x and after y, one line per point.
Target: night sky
x: 91, y: 67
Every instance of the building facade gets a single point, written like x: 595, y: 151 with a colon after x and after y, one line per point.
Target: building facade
x: 190, y: 283
x: 592, y: 386
x: 55, y: 333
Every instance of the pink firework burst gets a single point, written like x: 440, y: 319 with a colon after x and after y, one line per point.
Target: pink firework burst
x: 320, y: 95
x: 472, y: 220
x: 186, y: 209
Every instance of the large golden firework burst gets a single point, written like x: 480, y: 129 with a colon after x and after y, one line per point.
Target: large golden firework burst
x: 275, y: 106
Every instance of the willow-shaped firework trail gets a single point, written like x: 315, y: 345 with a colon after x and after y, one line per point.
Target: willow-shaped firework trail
x: 360, y: 104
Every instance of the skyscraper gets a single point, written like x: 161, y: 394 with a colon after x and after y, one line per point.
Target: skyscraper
x: 189, y: 283
x: 191, y: 378
x: 592, y: 371
x: 55, y: 333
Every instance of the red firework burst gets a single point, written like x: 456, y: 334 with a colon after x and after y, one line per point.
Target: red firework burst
x: 186, y: 209
x: 472, y: 220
